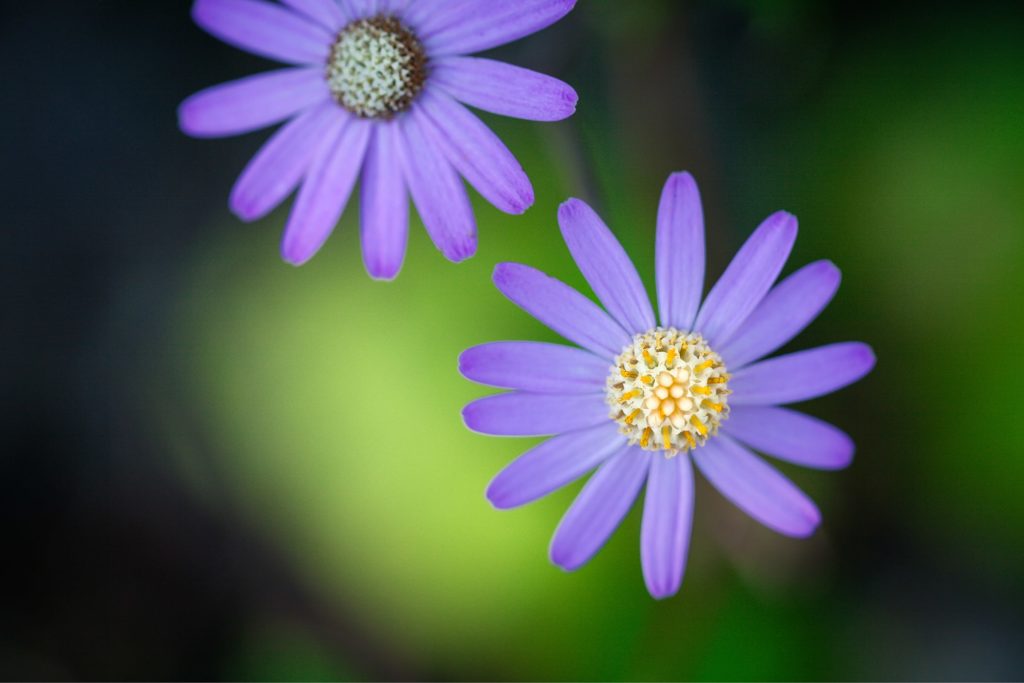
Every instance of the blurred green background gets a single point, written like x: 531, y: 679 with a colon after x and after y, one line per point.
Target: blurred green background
x: 225, y: 467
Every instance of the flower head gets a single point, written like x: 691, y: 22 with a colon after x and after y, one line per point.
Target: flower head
x: 375, y: 92
x: 638, y: 399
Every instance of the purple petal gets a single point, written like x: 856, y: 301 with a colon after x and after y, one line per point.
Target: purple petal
x: 278, y: 167
x: 395, y: 7
x: 251, y: 103
x: 606, y: 266
x: 384, y: 212
x: 558, y: 461
x: 353, y: 9
x: 369, y: 8
x: 504, y: 89
x: 264, y: 29
x: 561, y: 308
x: 327, y: 13
x: 791, y: 436
x: 325, y: 192
x: 438, y: 192
x: 756, y: 487
x: 747, y: 279
x: 522, y: 414
x: 476, y: 152
x: 787, y: 309
x: 599, y: 508
x: 679, y: 252
x: 482, y: 24
x: 668, y: 517
x: 801, y: 375
x: 427, y: 16
x: 535, y: 366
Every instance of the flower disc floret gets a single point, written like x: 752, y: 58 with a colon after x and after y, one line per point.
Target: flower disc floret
x: 376, y: 67
x: 668, y: 391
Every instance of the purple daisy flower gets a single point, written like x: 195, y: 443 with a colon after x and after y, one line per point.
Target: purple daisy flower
x: 374, y: 91
x: 640, y: 399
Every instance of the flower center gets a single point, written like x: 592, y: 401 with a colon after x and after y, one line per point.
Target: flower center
x: 376, y: 67
x: 668, y: 391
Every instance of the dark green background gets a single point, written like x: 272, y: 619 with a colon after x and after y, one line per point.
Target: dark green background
x: 225, y: 467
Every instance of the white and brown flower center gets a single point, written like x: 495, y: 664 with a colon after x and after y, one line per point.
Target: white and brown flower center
x: 668, y: 391
x: 376, y: 67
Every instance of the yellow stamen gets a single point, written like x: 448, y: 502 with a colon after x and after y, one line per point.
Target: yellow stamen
x: 703, y: 391
x: 628, y: 374
x: 629, y: 395
x: 704, y: 366
x: 690, y: 440
x: 719, y: 380
x: 632, y: 416
x: 699, y: 425
x: 670, y: 357
x: 647, y: 379
x: 717, y: 407
x: 666, y: 437
x: 649, y: 359
x: 645, y: 437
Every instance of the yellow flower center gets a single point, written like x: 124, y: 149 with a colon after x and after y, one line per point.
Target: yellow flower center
x: 376, y: 67
x: 668, y: 391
